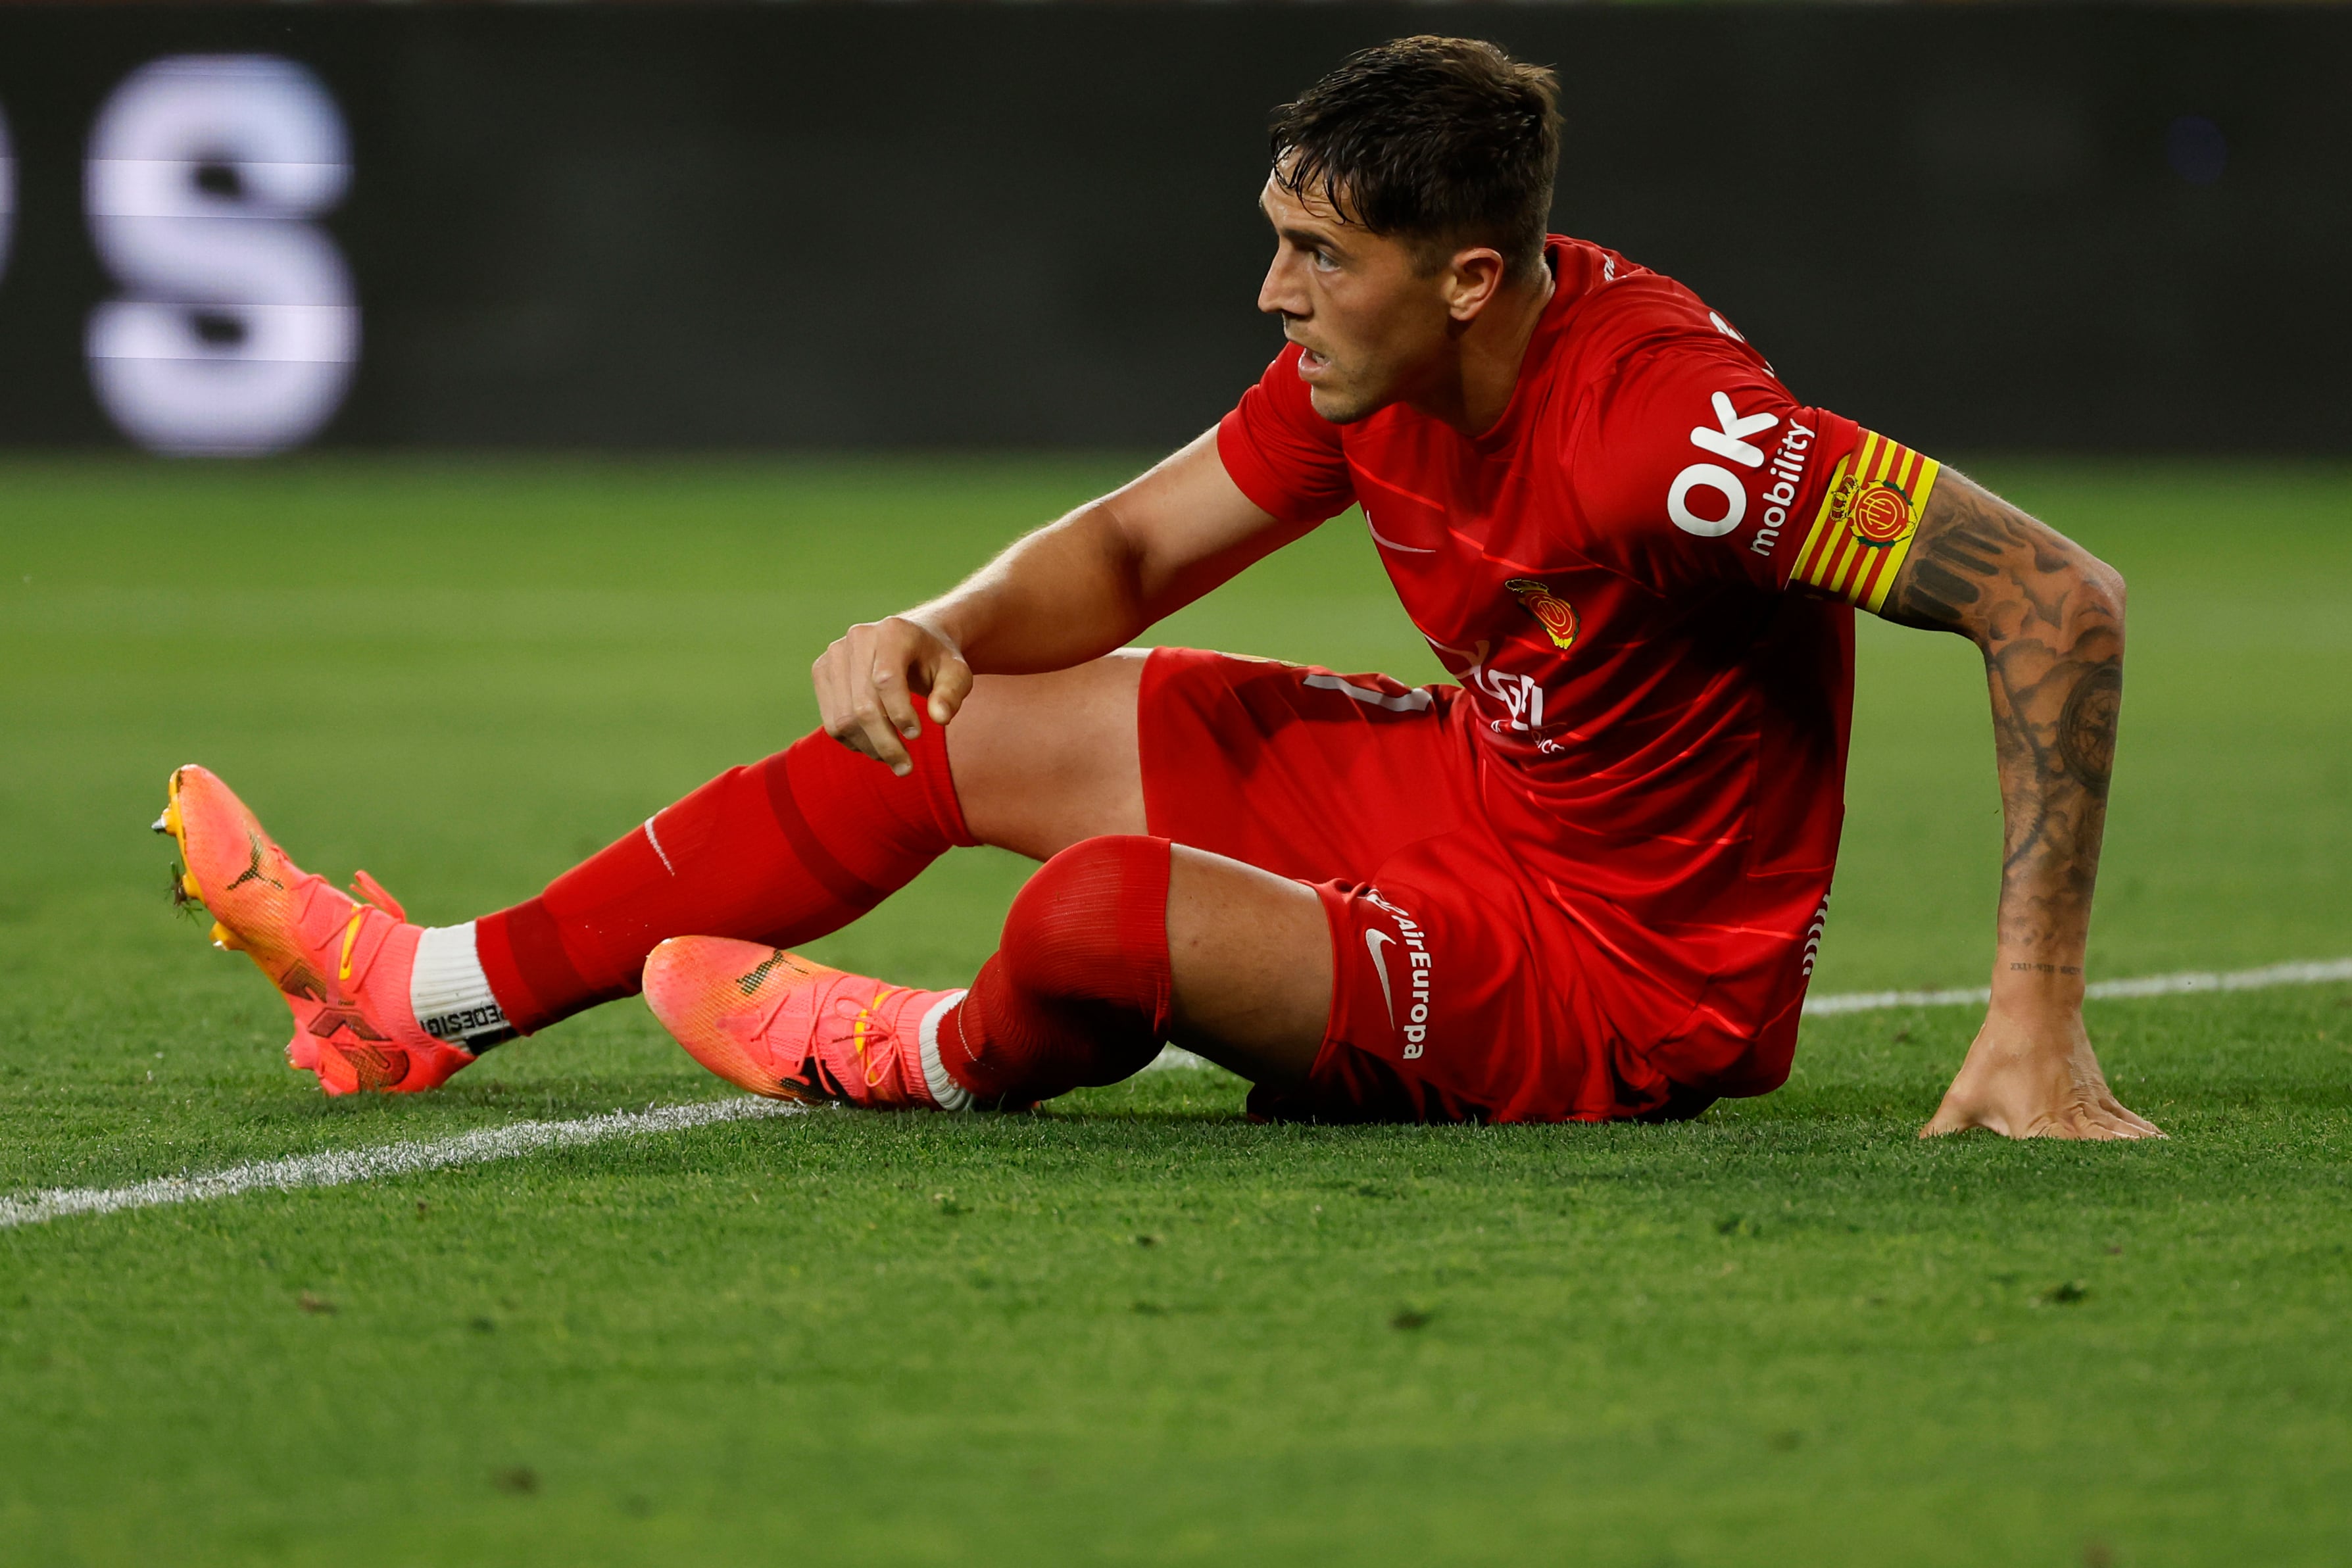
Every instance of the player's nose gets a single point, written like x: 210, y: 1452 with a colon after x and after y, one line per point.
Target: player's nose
x: 1280, y: 295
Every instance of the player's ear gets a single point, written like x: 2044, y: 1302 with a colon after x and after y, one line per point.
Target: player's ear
x: 1474, y: 276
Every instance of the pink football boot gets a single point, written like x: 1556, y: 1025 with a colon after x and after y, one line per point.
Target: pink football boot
x: 789, y: 1029
x: 341, y: 962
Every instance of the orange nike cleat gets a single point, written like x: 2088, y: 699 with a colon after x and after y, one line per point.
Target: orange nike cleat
x: 341, y: 962
x: 789, y: 1029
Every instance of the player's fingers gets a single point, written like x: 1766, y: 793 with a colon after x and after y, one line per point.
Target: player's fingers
x: 1949, y: 1119
x: 889, y: 679
x: 876, y: 738
x: 854, y: 715
x: 2132, y: 1124
x: 2118, y: 1117
x: 2100, y: 1121
x: 2082, y: 1128
x: 834, y: 715
x: 950, y: 684
x: 2123, y: 1124
x: 866, y: 724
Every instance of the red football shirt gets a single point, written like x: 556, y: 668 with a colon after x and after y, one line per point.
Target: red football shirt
x: 1607, y: 573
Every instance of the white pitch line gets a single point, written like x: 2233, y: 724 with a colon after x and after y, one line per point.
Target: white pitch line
x: 338, y: 1166
x: 2183, y: 985
x: 2189, y: 983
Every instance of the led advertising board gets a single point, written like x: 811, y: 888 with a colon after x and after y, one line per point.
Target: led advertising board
x: 242, y: 230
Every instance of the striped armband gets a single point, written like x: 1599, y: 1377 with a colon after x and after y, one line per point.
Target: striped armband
x: 1876, y: 496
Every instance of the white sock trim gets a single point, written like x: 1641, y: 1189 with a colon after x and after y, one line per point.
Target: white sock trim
x: 449, y: 993
x: 949, y: 1094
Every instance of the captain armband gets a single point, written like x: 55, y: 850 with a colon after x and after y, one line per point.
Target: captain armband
x: 1876, y: 496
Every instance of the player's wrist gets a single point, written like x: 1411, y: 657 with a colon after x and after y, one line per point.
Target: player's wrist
x: 940, y: 621
x: 2035, y: 983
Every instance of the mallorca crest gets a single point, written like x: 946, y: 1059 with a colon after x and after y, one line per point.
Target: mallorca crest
x: 1556, y: 615
x: 1881, y: 514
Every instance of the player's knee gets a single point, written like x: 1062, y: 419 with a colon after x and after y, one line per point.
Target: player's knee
x: 1079, y: 993
x: 1094, y: 911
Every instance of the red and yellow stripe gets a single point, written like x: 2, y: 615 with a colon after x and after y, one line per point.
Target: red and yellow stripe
x: 1878, y: 494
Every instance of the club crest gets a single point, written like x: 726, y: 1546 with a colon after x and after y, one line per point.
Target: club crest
x: 1880, y: 514
x: 1554, y: 613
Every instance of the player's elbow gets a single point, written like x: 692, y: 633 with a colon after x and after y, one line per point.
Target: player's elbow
x: 2100, y: 593
x: 2100, y: 582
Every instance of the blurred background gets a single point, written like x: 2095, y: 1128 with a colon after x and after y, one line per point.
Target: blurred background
x: 247, y: 229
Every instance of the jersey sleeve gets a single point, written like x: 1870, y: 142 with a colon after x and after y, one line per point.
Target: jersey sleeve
x: 1282, y: 454
x: 1699, y: 466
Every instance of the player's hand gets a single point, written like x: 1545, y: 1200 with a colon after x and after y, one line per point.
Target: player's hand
x: 869, y: 681
x: 2035, y: 1078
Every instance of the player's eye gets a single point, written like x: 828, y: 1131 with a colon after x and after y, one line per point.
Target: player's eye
x: 1324, y: 260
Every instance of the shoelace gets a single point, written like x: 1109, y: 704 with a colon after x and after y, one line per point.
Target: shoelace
x: 861, y: 1029
x: 865, y: 1028
x: 369, y: 891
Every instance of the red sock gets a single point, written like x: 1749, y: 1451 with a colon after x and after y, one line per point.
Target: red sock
x: 780, y: 852
x: 1078, y: 995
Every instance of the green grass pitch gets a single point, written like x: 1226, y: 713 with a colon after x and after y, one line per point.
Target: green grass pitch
x: 1133, y: 1328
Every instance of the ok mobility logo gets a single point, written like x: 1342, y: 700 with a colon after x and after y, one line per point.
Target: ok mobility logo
x: 1727, y: 438
x: 1416, y: 953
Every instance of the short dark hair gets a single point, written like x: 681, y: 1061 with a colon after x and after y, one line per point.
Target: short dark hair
x: 1441, y: 140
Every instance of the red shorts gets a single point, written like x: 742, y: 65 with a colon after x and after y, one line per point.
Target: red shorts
x: 1459, y: 993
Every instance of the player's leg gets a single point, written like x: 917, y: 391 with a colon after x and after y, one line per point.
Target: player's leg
x: 1251, y: 956
x: 801, y: 844
x: 1117, y: 945
x: 1293, y: 768
x: 1122, y: 941
x: 1464, y: 994
x: 1040, y: 761
x: 782, y: 851
x: 1419, y: 978
x: 785, y: 850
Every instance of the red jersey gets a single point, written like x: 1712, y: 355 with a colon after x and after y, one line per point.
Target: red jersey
x: 1661, y: 722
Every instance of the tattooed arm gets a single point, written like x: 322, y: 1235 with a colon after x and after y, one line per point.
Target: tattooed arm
x: 2049, y: 617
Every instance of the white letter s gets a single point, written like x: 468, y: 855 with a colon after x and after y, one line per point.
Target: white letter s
x: 237, y: 329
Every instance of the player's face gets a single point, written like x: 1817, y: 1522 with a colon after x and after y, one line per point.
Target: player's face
x: 1370, y: 321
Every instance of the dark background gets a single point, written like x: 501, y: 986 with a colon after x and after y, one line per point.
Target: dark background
x: 947, y: 226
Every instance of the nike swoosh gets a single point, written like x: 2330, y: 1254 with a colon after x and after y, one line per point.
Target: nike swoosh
x: 1372, y: 939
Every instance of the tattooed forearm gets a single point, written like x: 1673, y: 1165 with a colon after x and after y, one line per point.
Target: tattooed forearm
x: 2086, y: 728
x: 1943, y: 580
x: 2049, y: 620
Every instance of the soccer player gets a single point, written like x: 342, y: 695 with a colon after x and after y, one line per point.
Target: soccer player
x: 1586, y: 882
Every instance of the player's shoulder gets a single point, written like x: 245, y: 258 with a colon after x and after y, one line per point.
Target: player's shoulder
x: 1665, y: 393
x: 1624, y: 317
